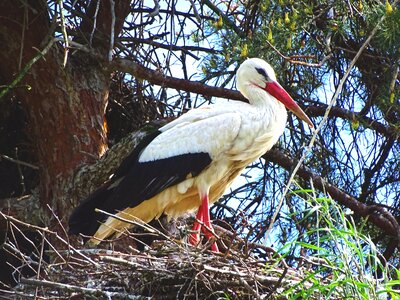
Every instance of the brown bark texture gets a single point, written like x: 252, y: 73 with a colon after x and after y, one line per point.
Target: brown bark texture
x: 65, y: 105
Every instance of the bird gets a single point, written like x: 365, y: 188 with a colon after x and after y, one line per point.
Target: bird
x: 188, y: 164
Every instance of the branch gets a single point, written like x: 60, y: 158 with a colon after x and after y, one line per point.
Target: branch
x: 112, y: 11
x: 383, y: 219
x: 295, y: 59
x: 225, y: 18
x: 18, y: 162
x: 171, y: 47
x: 156, y: 77
x: 388, y: 131
x: 102, y: 23
x: 74, y: 288
x: 204, y: 17
x: 27, y: 67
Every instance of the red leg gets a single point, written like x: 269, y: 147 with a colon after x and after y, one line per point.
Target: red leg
x: 207, y: 222
x: 194, y: 237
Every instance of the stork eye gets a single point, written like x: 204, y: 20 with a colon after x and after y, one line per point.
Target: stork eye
x: 262, y: 72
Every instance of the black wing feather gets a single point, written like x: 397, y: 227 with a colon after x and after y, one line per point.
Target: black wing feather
x: 134, y: 182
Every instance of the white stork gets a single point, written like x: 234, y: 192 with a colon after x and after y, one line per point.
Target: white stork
x: 190, y: 162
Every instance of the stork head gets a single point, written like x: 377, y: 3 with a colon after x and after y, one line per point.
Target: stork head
x: 255, y: 73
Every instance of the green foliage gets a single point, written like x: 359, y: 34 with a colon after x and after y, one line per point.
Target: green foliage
x: 301, y: 29
x: 387, y: 39
x: 337, y: 258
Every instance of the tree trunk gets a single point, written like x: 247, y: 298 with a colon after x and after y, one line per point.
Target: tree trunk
x: 65, y: 106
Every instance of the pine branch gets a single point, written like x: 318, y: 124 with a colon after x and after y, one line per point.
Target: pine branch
x: 378, y: 216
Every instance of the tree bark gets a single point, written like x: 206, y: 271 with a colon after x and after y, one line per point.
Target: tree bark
x: 65, y: 106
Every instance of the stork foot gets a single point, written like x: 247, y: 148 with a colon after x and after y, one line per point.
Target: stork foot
x: 209, y: 234
x: 194, y: 238
x: 203, y: 215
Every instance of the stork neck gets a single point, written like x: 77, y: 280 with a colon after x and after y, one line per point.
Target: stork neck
x: 260, y: 98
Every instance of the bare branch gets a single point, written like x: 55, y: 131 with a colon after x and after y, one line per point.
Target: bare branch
x: 155, y: 77
x: 388, y: 131
x: 19, y: 162
x: 74, y: 288
x: 388, y: 225
x: 112, y: 27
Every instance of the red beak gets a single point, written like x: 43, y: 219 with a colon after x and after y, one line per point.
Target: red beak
x: 277, y: 91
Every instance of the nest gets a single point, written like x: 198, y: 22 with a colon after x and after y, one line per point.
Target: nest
x: 168, y: 269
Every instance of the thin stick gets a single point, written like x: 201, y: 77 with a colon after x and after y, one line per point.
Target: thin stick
x: 294, y: 59
x: 27, y: 67
x: 322, y: 123
x: 64, y: 32
x: 94, y: 22
x: 12, y: 219
x: 110, y: 50
x: 138, y: 222
x: 74, y: 288
x: 19, y: 162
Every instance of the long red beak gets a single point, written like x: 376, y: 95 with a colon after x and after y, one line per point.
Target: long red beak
x: 276, y: 90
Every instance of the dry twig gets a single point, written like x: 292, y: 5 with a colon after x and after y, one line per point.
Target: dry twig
x: 163, y: 271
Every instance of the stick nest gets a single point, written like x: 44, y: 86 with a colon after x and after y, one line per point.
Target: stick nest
x: 168, y: 269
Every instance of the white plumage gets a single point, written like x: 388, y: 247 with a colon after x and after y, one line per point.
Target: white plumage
x: 223, y: 139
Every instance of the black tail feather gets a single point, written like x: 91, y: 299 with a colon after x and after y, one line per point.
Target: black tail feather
x: 84, y: 219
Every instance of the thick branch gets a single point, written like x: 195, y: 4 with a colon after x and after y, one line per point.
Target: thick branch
x: 383, y: 219
x: 156, y: 77
x: 90, y: 177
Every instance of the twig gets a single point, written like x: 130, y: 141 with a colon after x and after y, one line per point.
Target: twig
x: 83, y: 290
x: 27, y: 67
x: 156, y: 10
x: 23, y: 30
x: 322, y: 123
x: 246, y: 285
x: 226, y: 20
x: 64, y: 32
x: 96, y: 12
x: 195, y: 12
x: 172, y: 47
x: 138, y: 222
x: 112, y: 10
x: 19, y: 162
x: 31, y: 226
x: 40, y: 263
x: 261, y: 278
x: 294, y: 59
x: 21, y: 174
